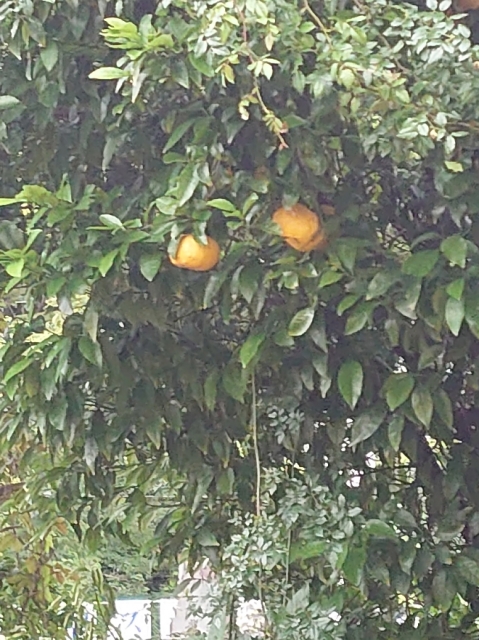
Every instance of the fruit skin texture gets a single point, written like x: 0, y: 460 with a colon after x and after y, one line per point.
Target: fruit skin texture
x: 191, y: 254
x: 300, y: 228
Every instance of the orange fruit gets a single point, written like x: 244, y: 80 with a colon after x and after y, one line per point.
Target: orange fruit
x: 191, y: 254
x: 300, y: 227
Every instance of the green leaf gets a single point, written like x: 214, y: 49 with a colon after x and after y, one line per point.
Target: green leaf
x: 226, y: 482
x: 249, y: 281
x: 188, y: 180
x: 90, y: 350
x: 395, y: 429
x: 305, y: 550
x: 468, y: 568
x: 90, y: 322
x: 91, y: 453
x: 407, y: 306
x: 154, y: 432
x: 455, y: 312
x: 346, y: 77
x: 107, y: 261
x: 7, y: 102
x: 15, y: 268
x: 49, y: 55
x: 108, y: 73
x: 421, y: 402
x: 443, y: 590
x: 379, y: 529
x: 178, y: 133
x: 250, y: 348
x: 111, y: 221
x: 222, y: 204
x: 234, y: 382
x: 380, y: 284
x: 329, y: 277
x: 150, y: 265
x: 356, y: 321
x: 347, y: 250
x: 443, y: 408
x: 5, y: 202
x: 456, y: 289
x: 365, y: 425
x: 211, y: 389
x: 206, y: 538
x: 215, y: 282
x: 421, y: 263
x: 354, y: 564
x: 301, y: 322
x: 455, y: 167
x: 455, y: 250
x: 350, y: 382
x: 201, y: 65
x: 17, y: 368
x: 398, y: 388
x: 346, y: 303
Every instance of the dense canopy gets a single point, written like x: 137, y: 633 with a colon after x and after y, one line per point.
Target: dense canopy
x: 304, y: 419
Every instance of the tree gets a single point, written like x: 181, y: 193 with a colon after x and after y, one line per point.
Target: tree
x: 312, y: 413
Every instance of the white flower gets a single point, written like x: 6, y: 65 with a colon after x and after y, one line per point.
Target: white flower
x: 250, y: 618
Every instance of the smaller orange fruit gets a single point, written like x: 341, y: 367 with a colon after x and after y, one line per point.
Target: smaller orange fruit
x: 300, y: 227
x: 191, y: 254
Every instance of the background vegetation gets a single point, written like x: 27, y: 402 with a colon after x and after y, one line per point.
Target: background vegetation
x: 306, y: 421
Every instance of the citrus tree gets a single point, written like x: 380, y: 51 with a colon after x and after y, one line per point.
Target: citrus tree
x: 255, y: 225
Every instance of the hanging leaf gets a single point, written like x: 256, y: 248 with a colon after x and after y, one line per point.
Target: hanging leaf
x: 443, y: 408
x: 211, y: 389
x: 395, y: 429
x: 455, y: 312
x: 468, y: 568
x: 15, y: 268
x: 330, y: 277
x: 17, y: 368
x: 356, y: 321
x: 305, y: 550
x: 354, y: 564
x: 398, y: 389
x: 188, y: 180
x: 90, y: 350
x: 178, y: 133
x: 456, y: 288
x: 49, y: 55
x: 108, y: 73
x: 366, y: 425
x: 407, y: 305
x: 7, y: 102
x: 107, y: 261
x: 91, y: 452
x: 250, y: 348
x: 350, y: 382
x: 422, y: 405
x: 379, y: 529
x: 111, y: 221
x: 421, y: 263
x: 234, y: 382
x: 455, y: 250
x: 381, y: 282
x: 301, y: 322
x: 150, y: 265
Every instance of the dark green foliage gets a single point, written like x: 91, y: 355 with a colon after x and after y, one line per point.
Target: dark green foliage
x: 349, y: 373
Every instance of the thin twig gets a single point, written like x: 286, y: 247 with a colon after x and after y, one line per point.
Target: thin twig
x: 317, y: 20
x: 256, y: 447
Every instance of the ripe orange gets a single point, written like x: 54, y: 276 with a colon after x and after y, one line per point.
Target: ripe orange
x: 300, y: 227
x: 195, y: 256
